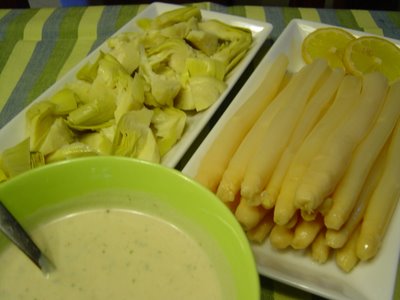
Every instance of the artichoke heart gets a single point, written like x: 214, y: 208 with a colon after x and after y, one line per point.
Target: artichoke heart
x: 234, y: 41
x: 65, y: 100
x: 180, y: 30
x: 134, y: 138
x: 163, y: 87
x: 39, y: 118
x: 172, y: 53
x: 58, y: 136
x: 70, y: 151
x: 129, y: 94
x: 168, y: 124
x: 204, y: 41
x: 174, y: 16
x: 89, y: 71
x: 98, y: 111
x: 16, y: 160
x: 125, y: 47
x: 205, y: 66
x: 3, y: 175
x: 98, y: 141
x: 200, y: 93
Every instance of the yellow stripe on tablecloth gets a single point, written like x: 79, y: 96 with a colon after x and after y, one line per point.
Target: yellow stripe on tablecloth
x: 3, y: 12
x: 255, y: 12
x: 142, y: 7
x: 87, y: 34
x: 366, y: 22
x: 310, y: 14
x: 14, y: 68
x: 34, y: 28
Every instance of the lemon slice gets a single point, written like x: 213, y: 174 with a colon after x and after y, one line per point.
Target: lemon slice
x: 327, y: 43
x: 368, y: 54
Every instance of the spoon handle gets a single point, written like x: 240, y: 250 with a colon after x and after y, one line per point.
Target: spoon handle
x: 14, y: 231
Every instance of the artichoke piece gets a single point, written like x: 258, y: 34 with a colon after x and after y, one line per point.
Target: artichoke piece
x: 89, y: 71
x: 70, y: 151
x: 206, y: 42
x: 162, y: 87
x: 134, y: 138
x: 225, y: 31
x: 65, y: 101
x: 126, y: 49
x: 98, y: 111
x: 96, y: 127
x: 39, y: 118
x: 97, y: 141
x: 37, y: 159
x: 235, y: 41
x: 168, y: 124
x: 176, y: 16
x: 173, y: 53
x: 181, y: 29
x: 153, y: 38
x: 92, y: 115
x: 200, y: 93
x: 58, y: 136
x: 16, y: 160
x: 129, y: 94
x: 205, y: 67
x: 3, y: 176
x: 81, y: 89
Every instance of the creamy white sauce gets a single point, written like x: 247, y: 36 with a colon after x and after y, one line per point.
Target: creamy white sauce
x: 111, y: 254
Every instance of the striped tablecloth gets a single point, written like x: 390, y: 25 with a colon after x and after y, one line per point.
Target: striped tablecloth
x: 38, y: 46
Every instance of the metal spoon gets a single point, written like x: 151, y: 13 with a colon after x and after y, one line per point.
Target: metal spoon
x: 17, y: 234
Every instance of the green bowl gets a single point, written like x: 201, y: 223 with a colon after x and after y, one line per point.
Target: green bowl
x: 57, y: 189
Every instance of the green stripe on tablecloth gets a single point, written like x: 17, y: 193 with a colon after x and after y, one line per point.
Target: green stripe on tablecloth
x: 290, y: 13
x: 14, y: 68
x: 126, y: 13
x: 13, y: 33
x: 21, y: 54
x: 33, y: 29
x: 3, y: 12
x: 394, y: 17
x: 255, y: 12
x: 310, y: 14
x: 87, y: 35
x: 237, y: 10
x: 274, y: 15
x: 366, y: 22
x: 382, y: 20
x: 346, y: 19
x: 67, y: 37
x: 106, y: 24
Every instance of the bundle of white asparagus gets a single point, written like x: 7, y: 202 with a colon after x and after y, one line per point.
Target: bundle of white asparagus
x: 312, y: 161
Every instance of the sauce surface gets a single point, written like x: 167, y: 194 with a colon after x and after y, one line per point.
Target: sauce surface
x: 111, y: 254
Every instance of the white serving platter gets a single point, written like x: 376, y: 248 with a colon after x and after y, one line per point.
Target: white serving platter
x: 369, y: 280
x: 14, y: 131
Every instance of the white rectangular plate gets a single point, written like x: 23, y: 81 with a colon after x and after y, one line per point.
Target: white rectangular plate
x: 369, y: 280
x: 14, y: 131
